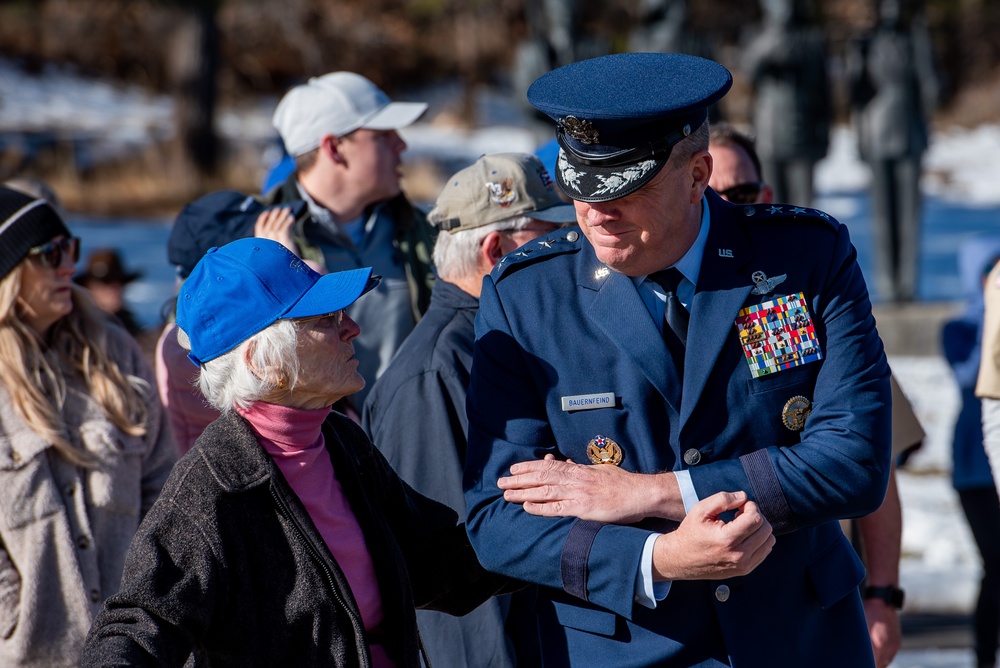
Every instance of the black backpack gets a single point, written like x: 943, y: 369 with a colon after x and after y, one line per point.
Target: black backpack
x: 214, y: 220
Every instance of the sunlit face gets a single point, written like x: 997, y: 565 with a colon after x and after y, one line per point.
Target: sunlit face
x: 373, y: 159
x: 734, y: 176
x: 46, y: 293
x: 647, y: 230
x: 328, y: 369
x: 731, y: 167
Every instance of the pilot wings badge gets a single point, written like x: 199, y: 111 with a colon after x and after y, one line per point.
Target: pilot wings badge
x: 764, y: 285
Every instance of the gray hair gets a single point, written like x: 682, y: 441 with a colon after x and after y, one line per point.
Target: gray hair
x: 455, y: 253
x: 228, y: 380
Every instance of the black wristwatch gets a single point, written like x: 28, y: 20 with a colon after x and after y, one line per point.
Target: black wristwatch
x: 891, y: 594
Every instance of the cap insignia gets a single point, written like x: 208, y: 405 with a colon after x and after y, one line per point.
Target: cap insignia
x: 579, y: 129
x: 502, y: 193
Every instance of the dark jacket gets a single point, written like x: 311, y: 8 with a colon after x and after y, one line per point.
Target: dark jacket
x: 414, y: 241
x: 429, y: 377
x: 228, y: 568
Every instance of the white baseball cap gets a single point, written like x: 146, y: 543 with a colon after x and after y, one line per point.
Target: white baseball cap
x: 338, y: 103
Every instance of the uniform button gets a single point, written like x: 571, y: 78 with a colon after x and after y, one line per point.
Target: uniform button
x: 749, y: 211
x: 722, y: 593
x: 95, y: 595
x: 83, y: 542
x: 692, y: 457
x: 572, y: 236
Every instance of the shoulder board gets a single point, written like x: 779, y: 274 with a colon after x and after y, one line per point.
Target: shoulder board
x: 785, y: 211
x: 555, y: 243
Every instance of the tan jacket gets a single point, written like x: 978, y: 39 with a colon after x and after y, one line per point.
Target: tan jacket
x: 65, y: 530
x: 988, y: 383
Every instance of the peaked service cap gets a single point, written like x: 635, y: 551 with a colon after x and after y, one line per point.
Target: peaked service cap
x: 245, y: 286
x: 496, y: 187
x: 337, y: 103
x: 619, y: 116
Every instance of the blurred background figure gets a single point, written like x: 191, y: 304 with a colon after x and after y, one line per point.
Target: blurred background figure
x: 105, y: 276
x: 792, y: 109
x: 893, y: 92
x: 342, y: 131
x: 84, y: 448
x: 961, y: 341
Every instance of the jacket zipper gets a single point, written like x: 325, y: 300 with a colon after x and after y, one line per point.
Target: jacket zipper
x: 358, y: 628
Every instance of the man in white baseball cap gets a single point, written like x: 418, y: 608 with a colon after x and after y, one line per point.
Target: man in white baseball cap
x: 341, y: 130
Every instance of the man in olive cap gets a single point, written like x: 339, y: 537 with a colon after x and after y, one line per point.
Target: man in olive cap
x: 415, y: 414
x: 671, y: 407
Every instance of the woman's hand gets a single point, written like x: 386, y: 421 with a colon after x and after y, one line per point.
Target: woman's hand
x: 276, y: 224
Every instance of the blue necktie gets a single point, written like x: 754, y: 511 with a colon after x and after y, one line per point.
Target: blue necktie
x: 675, y: 316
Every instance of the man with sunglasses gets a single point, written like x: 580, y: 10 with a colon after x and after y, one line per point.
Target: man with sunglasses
x: 736, y: 177
x: 671, y: 406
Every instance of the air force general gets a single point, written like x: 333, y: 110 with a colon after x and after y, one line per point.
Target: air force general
x: 671, y: 405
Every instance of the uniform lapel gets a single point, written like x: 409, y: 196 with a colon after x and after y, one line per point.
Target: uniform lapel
x: 619, y: 312
x: 721, y: 292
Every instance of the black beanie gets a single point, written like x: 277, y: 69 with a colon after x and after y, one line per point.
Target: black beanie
x: 25, y: 222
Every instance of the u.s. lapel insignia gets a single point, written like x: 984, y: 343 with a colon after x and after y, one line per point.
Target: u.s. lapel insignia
x: 603, y: 272
x: 795, y: 412
x: 764, y: 285
x: 602, y: 450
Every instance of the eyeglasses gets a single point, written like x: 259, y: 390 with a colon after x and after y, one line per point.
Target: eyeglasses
x: 50, y: 255
x: 743, y: 193
x: 336, y: 319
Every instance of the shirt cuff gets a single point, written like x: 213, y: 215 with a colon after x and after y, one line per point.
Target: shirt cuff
x: 647, y: 592
x: 688, y: 495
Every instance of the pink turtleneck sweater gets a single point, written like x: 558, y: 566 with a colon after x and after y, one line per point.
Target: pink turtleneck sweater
x: 294, y: 440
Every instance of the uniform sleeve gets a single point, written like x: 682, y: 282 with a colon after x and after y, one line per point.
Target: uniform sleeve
x: 419, y: 425
x: 840, y: 467
x: 507, y: 424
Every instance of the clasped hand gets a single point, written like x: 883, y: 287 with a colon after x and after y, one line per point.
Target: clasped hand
x: 702, y: 547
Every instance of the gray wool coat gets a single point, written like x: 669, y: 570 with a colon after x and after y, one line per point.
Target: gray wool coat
x: 64, y: 531
x: 229, y: 570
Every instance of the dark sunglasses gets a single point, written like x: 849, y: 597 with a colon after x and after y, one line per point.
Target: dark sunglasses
x: 743, y: 193
x: 51, y: 254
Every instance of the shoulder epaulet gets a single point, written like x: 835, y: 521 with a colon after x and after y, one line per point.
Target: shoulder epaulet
x: 555, y: 243
x: 784, y: 211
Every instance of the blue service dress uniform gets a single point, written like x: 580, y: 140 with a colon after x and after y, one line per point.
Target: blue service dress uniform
x: 554, y: 322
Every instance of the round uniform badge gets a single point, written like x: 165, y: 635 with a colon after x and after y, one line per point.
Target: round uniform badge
x: 795, y: 412
x: 602, y: 450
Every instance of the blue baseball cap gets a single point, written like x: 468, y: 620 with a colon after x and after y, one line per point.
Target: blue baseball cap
x: 243, y: 287
x: 618, y: 117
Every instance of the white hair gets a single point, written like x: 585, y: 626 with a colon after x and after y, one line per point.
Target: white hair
x: 229, y: 380
x: 456, y: 253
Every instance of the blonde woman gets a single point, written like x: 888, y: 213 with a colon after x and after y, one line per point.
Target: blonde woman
x: 83, y: 447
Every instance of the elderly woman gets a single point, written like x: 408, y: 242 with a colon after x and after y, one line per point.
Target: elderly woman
x: 283, y: 538
x: 83, y: 446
